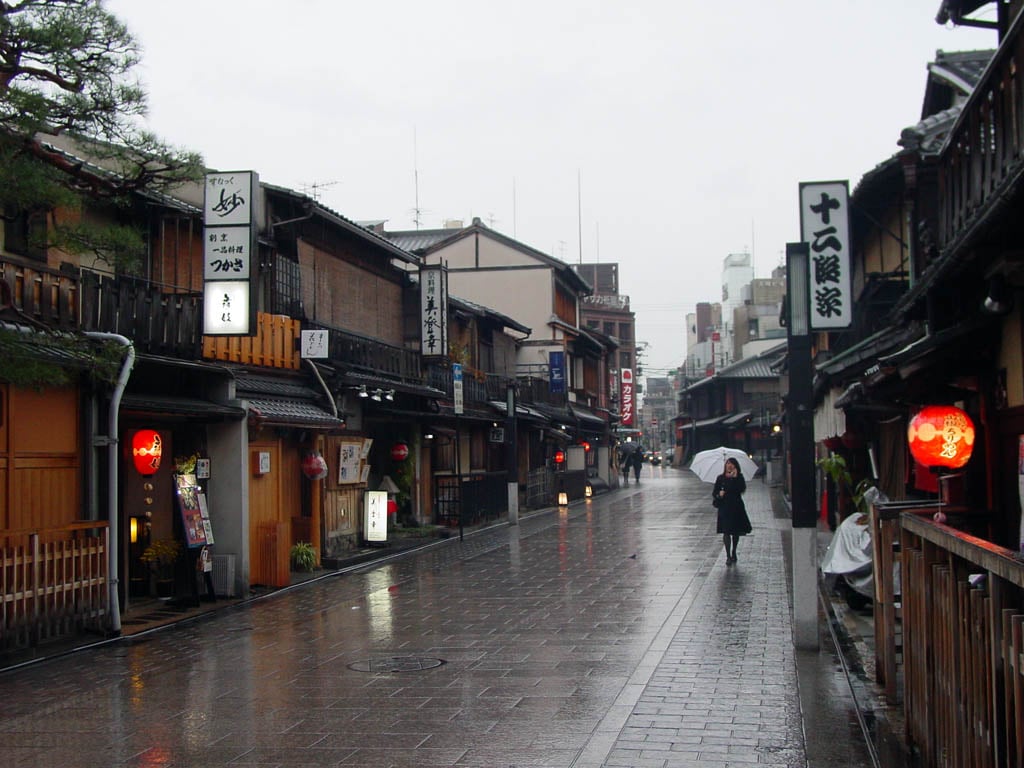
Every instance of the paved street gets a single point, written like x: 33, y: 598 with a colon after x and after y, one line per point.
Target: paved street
x: 610, y: 634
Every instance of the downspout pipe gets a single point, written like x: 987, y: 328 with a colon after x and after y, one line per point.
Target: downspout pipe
x: 113, y: 462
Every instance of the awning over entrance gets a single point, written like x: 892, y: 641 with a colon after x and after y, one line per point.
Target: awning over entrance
x: 169, y: 408
x: 284, y: 402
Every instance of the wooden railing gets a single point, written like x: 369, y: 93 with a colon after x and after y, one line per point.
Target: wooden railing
x: 158, y: 322
x: 984, y: 152
x: 366, y: 355
x: 53, y: 583
x: 963, y: 644
x: 45, y: 295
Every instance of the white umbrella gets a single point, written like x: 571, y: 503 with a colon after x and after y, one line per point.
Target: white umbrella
x: 709, y: 464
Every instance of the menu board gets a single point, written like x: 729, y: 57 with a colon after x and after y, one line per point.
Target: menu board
x: 353, y: 460
x: 192, y: 504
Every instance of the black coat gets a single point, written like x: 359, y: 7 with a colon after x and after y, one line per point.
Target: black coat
x: 732, y: 512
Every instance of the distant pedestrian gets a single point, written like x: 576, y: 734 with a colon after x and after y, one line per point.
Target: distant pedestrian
x: 638, y: 461
x: 727, y: 498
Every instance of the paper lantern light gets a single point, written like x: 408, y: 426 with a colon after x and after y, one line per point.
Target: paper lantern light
x: 147, y: 448
x: 941, y: 436
x: 559, y: 457
x: 314, y: 466
x: 400, y: 451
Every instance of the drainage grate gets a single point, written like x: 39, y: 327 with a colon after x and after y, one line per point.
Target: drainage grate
x: 396, y: 664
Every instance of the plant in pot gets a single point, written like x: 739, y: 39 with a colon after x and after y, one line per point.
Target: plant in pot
x: 161, y: 556
x: 303, y: 556
x: 834, y: 467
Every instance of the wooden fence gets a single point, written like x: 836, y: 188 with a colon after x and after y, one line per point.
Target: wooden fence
x: 53, y: 583
x: 963, y: 645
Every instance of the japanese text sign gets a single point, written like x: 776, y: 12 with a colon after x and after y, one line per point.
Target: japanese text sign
x: 556, y: 368
x: 229, y: 224
x: 825, y: 227
x: 433, y: 311
x: 627, y: 398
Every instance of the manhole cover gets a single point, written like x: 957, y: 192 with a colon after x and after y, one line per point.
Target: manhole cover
x: 396, y: 664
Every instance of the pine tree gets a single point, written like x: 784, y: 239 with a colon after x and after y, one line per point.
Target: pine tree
x: 71, y: 127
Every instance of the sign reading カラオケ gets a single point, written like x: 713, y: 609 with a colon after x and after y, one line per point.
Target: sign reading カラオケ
x: 825, y: 227
x: 627, y: 401
x: 229, y: 226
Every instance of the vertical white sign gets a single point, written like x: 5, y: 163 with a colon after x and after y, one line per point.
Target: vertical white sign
x: 375, y: 523
x: 229, y: 219
x: 433, y: 311
x: 825, y: 227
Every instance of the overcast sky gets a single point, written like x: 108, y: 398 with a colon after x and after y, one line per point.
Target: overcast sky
x: 659, y: 134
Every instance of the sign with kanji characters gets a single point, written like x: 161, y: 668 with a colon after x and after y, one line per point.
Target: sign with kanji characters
x: 825, y: 227
x: 433, y: 311
x: 457, y: 397
x: 226, y: 253
x: 229, y: 226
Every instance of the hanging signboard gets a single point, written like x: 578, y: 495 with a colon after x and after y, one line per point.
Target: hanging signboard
x: 626, y: 398
x: 556, y: 372
x: 457, y: 397
x: 229, y: 227
x: 433, y: 311
x: 825, y: 227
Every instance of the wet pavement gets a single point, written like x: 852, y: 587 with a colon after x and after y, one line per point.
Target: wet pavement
x: 611, y: 633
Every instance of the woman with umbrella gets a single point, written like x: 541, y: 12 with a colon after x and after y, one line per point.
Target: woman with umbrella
x: 727, y: 497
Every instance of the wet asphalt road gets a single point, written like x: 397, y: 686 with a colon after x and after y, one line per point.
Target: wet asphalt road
x: 609, y: 634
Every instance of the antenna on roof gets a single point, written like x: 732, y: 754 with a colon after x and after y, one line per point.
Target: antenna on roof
x: 313, y: 189
x: 417, y: 211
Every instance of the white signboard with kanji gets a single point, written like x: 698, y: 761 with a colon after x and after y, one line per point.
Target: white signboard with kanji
x: 825, y: 227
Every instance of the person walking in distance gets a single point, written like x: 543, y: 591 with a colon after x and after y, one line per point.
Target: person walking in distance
x: 638, y: 461
x: 727, y: 497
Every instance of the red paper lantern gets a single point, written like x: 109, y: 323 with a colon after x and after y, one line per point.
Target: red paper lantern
x: 586, y: 446
x: 147, y: 448
x: 314, y: 466
x: 941, y: 436
x: 399, y: 451
x: 559, y: 457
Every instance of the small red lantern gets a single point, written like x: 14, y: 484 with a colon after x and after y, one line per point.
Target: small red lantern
x: 314, y: 466
x: 559, y: 457
x: 941, y: 436
x: 399, y: 451
x: 586, y: 446
x: 147, y: 448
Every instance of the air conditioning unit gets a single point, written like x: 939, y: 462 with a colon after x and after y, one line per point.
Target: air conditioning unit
x: 224, y: 575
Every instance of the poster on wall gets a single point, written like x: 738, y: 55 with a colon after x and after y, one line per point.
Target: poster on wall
x: 349, y: 459
x: 188, y: 492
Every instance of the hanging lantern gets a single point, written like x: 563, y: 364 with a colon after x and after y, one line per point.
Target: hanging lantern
x: 314, y: 466
x: 559, y: 457
x: 586, y: 446
x: 941, y: 436
x: 147, y: 448
x: 399, y: 451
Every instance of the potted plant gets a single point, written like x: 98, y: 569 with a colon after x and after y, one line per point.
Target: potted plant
x: 834, y: 467
x: 303, y: 556
x: 161, y: 556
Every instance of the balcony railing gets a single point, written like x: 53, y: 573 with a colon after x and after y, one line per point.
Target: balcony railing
x: 984, y: 154
x: 365, y: 355
x: 157, y: 322
x: 40, y: 293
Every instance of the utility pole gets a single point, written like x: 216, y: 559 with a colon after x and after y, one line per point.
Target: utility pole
x: 800, y: 419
